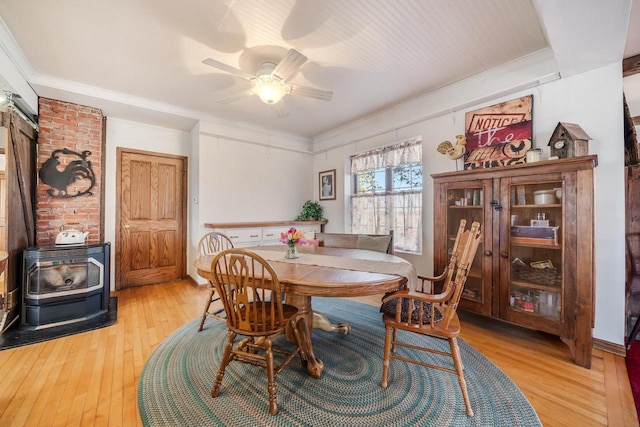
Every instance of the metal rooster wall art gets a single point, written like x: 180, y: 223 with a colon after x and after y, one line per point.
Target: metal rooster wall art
x: 76, y: 169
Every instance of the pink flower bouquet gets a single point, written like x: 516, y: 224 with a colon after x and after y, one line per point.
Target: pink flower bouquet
x: 292, y: 236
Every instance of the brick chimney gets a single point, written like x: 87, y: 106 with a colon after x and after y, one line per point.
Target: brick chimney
x: 74, y: 134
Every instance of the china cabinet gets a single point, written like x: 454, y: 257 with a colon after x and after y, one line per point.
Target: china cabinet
x: 535, y: 266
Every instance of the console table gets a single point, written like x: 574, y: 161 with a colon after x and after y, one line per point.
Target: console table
x: 263, y: 233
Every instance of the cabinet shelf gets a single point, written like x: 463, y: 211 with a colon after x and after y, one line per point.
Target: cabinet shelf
x: 470, y: 296
x: 536, y: 286
x: 465, y: 207
x: 533, y: 313
x: 554, y: 205
x: 535, y: 245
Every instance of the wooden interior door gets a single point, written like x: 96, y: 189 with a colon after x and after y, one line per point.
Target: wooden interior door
x: 151, y: 218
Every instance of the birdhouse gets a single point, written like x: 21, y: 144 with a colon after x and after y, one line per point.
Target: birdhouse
x: 569, y: 140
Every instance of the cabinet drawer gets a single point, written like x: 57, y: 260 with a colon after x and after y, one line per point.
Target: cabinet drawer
x: 244, y: 235
x: 272, y: 234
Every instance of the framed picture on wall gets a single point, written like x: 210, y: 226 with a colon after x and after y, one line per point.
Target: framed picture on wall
x: 327, y: 180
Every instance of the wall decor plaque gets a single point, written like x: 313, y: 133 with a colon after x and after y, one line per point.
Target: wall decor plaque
x: 500, y: 134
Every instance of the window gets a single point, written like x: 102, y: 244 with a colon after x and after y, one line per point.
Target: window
x: 387, y: 193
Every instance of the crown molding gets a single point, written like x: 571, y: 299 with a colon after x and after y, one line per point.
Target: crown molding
x: 15, y: 69
x: 14, y: 53
x: 255, y: 137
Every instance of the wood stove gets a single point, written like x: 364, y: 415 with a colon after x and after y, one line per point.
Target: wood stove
x: 64, y: 284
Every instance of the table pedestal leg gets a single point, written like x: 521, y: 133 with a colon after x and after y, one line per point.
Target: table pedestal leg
x: 304, y: 324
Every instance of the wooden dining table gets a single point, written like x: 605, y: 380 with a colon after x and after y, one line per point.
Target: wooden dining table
x: 326, y: 272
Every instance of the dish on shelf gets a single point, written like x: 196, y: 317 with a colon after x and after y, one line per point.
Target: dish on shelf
x: 545, y: 197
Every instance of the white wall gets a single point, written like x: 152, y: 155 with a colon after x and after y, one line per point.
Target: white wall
x: 592, y: 99
x: 194, y: 228
x: 126, y: 134
x: 247, y: 176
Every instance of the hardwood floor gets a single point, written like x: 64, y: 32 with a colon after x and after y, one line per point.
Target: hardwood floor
x: 91, y: 379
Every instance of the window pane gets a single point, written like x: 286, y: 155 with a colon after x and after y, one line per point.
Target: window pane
x: 371, y: 181
x: 381, y: 179
x: 407, y: 177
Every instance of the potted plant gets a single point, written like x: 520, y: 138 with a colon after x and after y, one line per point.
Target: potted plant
x: 312, y: 211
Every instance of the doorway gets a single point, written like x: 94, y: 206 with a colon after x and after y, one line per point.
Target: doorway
x: 151, y: 212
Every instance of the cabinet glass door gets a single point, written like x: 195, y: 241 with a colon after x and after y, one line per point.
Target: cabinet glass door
x: 468, y: 203
x: 536, y: 250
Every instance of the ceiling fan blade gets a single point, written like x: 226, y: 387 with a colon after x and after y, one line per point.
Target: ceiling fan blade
x: 311, y: 92
x: 289, y: 65
x: 281, y: 108
x: 229, y: 69
x: 232, y: 98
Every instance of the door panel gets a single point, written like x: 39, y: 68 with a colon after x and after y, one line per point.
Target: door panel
x: 152, y: 218
x: 166, y: 199
x: 140, y: 199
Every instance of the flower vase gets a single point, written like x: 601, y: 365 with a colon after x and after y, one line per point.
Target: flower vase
x: 292, y: 252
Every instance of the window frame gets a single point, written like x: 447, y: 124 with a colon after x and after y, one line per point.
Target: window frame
x: 390, y: 193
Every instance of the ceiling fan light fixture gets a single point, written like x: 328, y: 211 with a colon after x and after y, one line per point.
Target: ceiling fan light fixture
x: 270, y: 91
x: 271, y: 82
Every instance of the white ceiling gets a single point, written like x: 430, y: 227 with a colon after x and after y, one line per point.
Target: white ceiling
x: 141, y: 59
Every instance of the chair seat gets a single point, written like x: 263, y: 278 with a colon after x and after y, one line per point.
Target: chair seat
x: 265, y: 312
x: 390, y: 308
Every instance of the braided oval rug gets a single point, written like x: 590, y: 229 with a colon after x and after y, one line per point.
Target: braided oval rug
x: 176, y: 381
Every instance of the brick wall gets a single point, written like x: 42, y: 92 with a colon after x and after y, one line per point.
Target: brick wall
x: 79, y: 129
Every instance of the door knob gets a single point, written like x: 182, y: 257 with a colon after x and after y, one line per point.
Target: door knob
x: 126, y: 227
x: 488, y: 253
x: 503, y: 254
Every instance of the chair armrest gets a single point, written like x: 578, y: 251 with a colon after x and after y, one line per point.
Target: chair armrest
x: 434, y: 279
x: 420, y: 296
x: 439, y: 278
x: 396, y: 294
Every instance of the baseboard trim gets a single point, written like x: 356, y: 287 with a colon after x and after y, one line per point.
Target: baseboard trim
x: 195, y: 283
x: 609, y: 347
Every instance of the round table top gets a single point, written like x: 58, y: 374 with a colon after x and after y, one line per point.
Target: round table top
x: 317, y: 280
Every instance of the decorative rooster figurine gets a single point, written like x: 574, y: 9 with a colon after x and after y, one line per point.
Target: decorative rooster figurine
x: 454, y: 152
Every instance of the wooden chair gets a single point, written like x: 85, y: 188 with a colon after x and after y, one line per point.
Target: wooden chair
x: 252, y: 297
x: 209, y: 244
x: 437, y: 318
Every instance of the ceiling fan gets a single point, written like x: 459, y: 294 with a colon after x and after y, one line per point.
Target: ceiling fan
x: 270, y: 82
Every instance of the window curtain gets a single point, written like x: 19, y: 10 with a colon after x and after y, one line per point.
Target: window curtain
x: 400, y: 211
